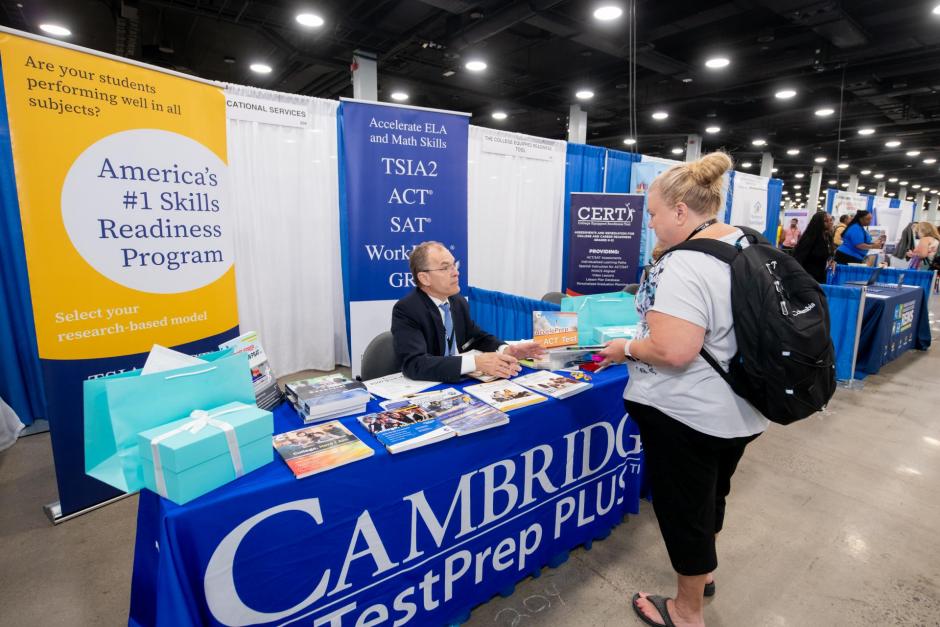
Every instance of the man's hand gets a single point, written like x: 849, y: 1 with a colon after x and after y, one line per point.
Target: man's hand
x: 613, y: 352
x: 525, y: 350
x: 497, y: 365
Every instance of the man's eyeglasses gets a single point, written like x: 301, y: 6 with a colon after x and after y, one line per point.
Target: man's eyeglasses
x: 447, y: 267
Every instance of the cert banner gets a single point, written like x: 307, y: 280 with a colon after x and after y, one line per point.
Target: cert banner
x: 605, y: 242
x: 403, y: 181
x: 121, y: 181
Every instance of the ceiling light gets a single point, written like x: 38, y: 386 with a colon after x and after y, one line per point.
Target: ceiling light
x: 629, y: 141
x: 912, y: 153
x: 660, y: 115
x: 746, y: 164
x: 677, y: 151
x: 866, y: 131
x: 842, y: 166
x: 799, y: 175
x: 716, y: 63
x: 607, y: 13
x: 936, y: 10
x: 786, y: 192
x: 798, y: 194
x: 872, y: 189
x: 891, y: 194
x: 797, y: 186
x: 824, y: 112
x: 831, y: 182
x: 713, y: 129
x: 903, y: 182
x: 309, y: 19
x: 475, y: 65
x: 915, y: 186
x: 759, y: 142
x: 55, y: 29
x: 499, y: 115
x: 400, y: 96
x: 820, y: 159
x: 930, y: 160
x: 785, y: 94
x: 260, y: 68
x: 893, y: 179
x: 584, y: 94
x: 845, y: 185
x: 892, y: 144
x: 774, y: 170
x: 879, y: 176
x: 865, y: 172
x: 793, y: 151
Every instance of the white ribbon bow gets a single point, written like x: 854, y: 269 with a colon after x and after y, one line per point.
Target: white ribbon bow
x: 199, y: 420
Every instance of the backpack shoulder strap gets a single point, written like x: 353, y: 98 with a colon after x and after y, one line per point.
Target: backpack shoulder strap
x: 720, y: 250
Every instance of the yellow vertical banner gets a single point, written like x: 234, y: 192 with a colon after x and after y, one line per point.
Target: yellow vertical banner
x: 121, y: 181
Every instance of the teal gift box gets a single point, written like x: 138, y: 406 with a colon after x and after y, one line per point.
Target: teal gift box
x: 190, y: 457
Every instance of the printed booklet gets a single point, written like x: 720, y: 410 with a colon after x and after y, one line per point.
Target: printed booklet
x: 553, y: 384
x: 267, y: 394
x: 504, y: 395
x: 460, y: 411
x: 329, y: 396
x: 553, y: 329
x: 320, y: 447
x: 405, y: 427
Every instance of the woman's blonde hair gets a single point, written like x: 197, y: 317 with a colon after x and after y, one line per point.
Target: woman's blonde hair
x: 697, y: 183
x: 926, y: 228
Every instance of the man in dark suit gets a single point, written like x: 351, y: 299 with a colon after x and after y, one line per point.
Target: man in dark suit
x: 431, y: 326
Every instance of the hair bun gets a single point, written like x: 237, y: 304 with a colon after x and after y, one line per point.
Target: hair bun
x: 710, y: 168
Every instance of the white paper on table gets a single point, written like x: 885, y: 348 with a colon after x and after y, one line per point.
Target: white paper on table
x: 394, y: 386
x: 162, y: 358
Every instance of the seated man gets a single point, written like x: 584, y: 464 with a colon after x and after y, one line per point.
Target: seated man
x: 431, y: 327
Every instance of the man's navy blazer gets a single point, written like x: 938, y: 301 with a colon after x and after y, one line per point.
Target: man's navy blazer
x: 418, y: 334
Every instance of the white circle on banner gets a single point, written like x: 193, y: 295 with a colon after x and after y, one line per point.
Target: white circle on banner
x: 147, y: 209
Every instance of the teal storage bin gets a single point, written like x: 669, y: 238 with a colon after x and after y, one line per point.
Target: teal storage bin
x: 197, y: 463
x: 601, y: 310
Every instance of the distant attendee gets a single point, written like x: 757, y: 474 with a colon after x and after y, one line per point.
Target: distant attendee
x: 814, y: 249
x: 431, y: 326
x: 856, y: 240
x: 840, y: 229
x: 791, y: 235
x: 900, y: 258
x: 923, y: 253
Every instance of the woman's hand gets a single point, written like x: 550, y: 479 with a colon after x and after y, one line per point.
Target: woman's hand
x: 613, y: 352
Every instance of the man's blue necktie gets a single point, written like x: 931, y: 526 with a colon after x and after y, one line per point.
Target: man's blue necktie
x: 448, y: 330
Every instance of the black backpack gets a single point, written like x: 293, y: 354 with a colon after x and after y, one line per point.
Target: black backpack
x: 785, y: 364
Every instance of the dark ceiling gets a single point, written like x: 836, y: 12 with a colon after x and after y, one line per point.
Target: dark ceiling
x: 875, y: 62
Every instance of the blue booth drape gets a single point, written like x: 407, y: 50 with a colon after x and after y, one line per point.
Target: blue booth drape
x: 21, y: 385
x: 843, y: 324
x: 920, y: 278
x: 506, y: 316
x: 774, y: 196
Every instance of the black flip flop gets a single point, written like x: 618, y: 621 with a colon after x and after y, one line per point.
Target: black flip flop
x: 659, y: 603
x: 709, y: 589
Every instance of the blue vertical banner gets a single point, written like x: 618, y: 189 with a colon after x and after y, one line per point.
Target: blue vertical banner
x: 604, y: 242
x: 403, y: 181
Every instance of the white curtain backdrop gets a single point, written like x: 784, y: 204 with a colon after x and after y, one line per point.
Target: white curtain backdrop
x: 284, y: 187
x: 10, y: 426
x: 515, y: 214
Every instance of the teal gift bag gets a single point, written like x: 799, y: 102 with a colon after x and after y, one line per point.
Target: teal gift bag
x: 119, y: 407
x: 600, y: 310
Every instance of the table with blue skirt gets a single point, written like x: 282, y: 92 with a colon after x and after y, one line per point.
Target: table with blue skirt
x: 895, y: 320
x: 415, y: 538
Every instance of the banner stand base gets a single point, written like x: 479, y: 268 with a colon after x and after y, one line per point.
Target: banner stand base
x: 852, y: 384
x: 53, y: 511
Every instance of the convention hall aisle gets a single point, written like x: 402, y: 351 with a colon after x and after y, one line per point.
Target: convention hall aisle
x: 832, y: 521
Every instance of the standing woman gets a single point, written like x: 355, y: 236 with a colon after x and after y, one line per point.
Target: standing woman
x: 856, y: 241
x: 693, y: 427
x: 815, y: 247
x: 923, y: 253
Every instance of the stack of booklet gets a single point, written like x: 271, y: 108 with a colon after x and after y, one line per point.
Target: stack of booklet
x: 267, y: 394
x: 320, y: 447
x: 553, y: 384
x: 430, y: 417
x: 326, y: 397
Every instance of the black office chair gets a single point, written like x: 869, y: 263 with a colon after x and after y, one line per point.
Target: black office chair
x: 378, y: 359
x: 553, y: 297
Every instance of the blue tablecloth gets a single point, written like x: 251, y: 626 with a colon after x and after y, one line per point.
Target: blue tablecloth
x: 895, y: 320
x: 419, y: 537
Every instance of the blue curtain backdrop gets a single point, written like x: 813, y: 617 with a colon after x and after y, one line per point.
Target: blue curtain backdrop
x: 506, y: 316
x: 619, y: 167
x: 21, y: 384
x: 843, y: 316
